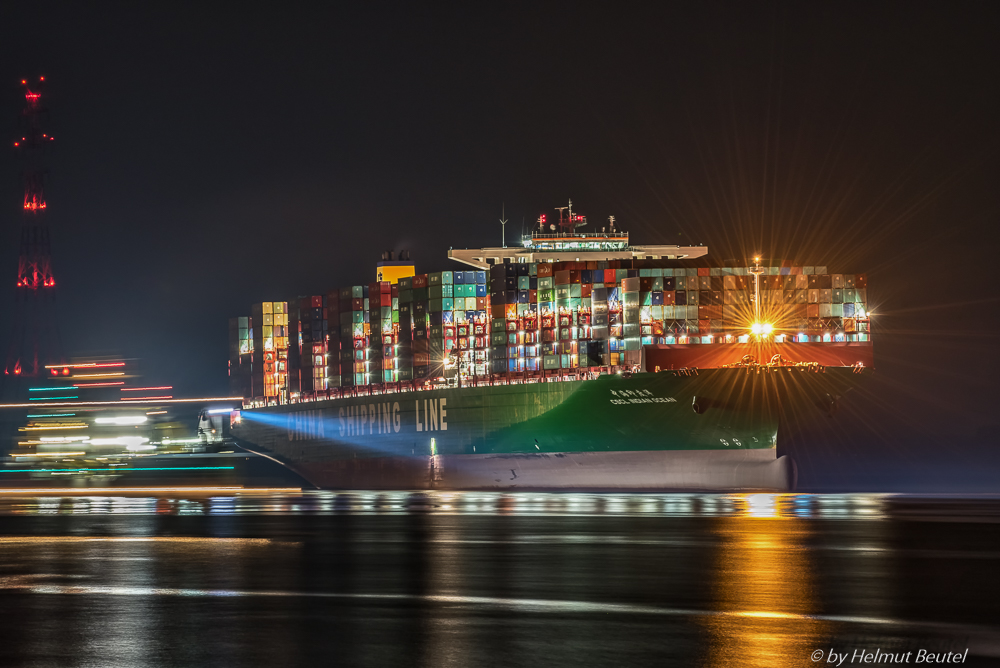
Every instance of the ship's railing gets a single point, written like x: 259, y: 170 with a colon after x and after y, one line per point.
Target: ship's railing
x: 616, y: 236
x: 424, y: 384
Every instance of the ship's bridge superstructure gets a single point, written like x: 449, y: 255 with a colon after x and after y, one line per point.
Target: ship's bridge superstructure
x: 573, y: 247
x: 559, y: 241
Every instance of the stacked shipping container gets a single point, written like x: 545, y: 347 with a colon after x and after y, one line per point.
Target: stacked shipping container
x: 526, y: 318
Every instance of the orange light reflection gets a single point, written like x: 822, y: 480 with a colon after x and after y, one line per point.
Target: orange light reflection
x: 764, y: 578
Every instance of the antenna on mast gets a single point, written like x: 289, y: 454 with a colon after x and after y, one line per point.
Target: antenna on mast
x: 503, y: 223
x: 569, y: 221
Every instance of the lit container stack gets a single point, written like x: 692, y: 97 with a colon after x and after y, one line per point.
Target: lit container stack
x: 524, y: 318
x: 333, y: 340
x: 354, y: 331
x: 269, y: 371
x: 441, y: 331
x: 240, y: 357
x: 383, y: 316
x: 309, y: 354
x: 515, y: 325
x: 423, y: 365
x: 404, y: 329
x: 472, y: 322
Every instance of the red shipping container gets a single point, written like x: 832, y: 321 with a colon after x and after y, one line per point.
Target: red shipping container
x: 562, y: 277
x: 796, y: 271
x: 545, y: 269
x: 575, y: 275
x: 609, y: 277
x: 358, y: 304
x: 585, y: 290
x: 704, y: 271
x: 669, y: 298
x: 498, y: 311
x: 709, y: 312
x: 420, y: 281
x: 386, y: 299
x: 317, y: 301
x: 861, y: 281
x: 394, y: 291
x: 646, y: 284
x: 591, y: 264
x: 533, y: 296
x: 704, y: 326
x: 385, y: 287
x: 373, y: 289
x: 482, y: 303
x: 812, y: 310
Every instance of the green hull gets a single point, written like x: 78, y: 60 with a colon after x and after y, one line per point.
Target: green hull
x: 613, y: 422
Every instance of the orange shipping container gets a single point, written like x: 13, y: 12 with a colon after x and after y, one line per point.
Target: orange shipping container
x: 545, y: 269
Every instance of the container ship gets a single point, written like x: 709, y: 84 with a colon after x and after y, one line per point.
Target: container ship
x: 574, y: 360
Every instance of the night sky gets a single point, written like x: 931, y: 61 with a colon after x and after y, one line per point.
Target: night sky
x: 209, y: 158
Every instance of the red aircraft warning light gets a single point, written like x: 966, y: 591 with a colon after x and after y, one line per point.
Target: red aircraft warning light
x: 35, y: 338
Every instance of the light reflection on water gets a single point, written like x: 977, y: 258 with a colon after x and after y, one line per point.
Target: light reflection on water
x: 462, y: 579
x: 764, y: 574
x: 805, y: 506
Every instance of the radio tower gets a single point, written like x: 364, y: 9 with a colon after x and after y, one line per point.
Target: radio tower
x: 35, y: 337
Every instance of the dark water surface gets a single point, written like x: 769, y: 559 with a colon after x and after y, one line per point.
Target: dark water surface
x: 372, y: 579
